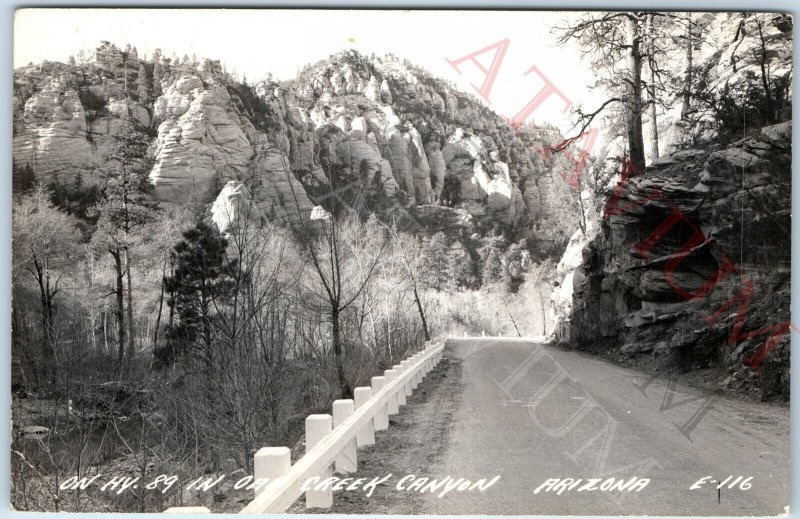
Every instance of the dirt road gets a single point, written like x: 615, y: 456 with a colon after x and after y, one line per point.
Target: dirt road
x: 544, y: 418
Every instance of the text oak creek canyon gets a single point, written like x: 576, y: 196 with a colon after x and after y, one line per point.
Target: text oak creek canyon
x: 408, y: 483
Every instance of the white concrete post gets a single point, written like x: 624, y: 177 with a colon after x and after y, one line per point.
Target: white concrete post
x: 187, y: 510
x: 406, y: 365
x: 401, y: 393
x: 317, y: 427
x: 382, y: 416
x: 346, y: 461
x: 270, y: 463
x: 394, y: 408
x: 366, y: 436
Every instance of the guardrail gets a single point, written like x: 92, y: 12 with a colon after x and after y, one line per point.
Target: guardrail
x: 332, y: 440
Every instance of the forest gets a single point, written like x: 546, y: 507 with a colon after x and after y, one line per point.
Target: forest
x: 151, y: 337
x: 145, y: 337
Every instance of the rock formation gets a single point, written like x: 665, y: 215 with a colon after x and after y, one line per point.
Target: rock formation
x: 51, y: 131
x: 679, y: 242
x: 349, y: 129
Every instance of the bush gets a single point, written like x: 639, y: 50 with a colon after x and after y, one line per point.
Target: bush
x: 747, y: 104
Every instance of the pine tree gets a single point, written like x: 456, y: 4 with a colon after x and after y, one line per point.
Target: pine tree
x: 492, y: 271
x: 22, y: 179
x: 434, y: 271
x: 460, y: 268
x: 197, y: 288
x: 125, y: 207
x: 142, y: 90
x: 158, y: 76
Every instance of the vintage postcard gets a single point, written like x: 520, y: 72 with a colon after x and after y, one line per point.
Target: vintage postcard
x: 401, y: 262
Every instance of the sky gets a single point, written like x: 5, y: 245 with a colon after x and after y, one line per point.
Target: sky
x: 254, y: 42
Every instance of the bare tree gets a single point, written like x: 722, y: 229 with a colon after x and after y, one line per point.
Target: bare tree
x: 409, y: 252
x: 336, y: 283
x: 45, y: 246
x: 618, y: 45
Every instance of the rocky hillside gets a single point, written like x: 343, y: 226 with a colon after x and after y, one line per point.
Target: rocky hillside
x: 691, y: 265
x: 374, y: 128
x: 653, y: 279
x: 728, y: 54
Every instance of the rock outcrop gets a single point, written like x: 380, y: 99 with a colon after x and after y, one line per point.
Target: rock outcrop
x: 51, y: 131
x: 727, y: 57
x: 200, y: 143
x: 691, y: 265
x: 349, y: 130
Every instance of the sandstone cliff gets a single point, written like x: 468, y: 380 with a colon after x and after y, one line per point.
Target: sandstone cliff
x: 690, y: 266
x: 371, y: 130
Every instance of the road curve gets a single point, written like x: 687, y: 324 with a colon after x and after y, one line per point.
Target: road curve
x: 532, y: 413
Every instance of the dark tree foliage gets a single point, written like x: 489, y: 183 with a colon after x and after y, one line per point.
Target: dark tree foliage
x: 745, y: 105
x: 125, y: 207
x: 197, y: 288
x: 78, y: 200
x: 451, y: 196
x: 460, y: 268
x: 22, y: 179
x: 434, y: 269
x: 127, y: 201
x: 492, y: 270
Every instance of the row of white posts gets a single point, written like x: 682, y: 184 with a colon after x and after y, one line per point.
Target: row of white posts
x: 332, y: 440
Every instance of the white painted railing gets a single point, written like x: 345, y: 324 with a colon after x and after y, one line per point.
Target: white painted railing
x: 332, y: 440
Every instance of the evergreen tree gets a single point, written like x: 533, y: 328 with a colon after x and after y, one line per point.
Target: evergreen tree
x: 126, y: 206
x: 492, y: 271
x: 433, y: 272
x: 22, y: 179
x: 142, y: 89
x: 197, y: 288
x: 158, y: 73
x: 158, y: 76
x: 460, y: 269
x: 515, y: 262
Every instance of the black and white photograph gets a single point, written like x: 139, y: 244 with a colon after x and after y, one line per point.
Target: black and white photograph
x: 401, y: 262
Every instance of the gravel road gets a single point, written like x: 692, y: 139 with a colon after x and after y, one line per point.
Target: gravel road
x: 544, y: 418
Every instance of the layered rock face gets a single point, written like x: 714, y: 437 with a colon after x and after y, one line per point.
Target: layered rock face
x: 351, y: 130
x: 691, y: 265
x: 51, y: 131
x: 200, y: 141
x: 398, y: 127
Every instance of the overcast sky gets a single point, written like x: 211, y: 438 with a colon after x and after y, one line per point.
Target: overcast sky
x: 255, y: 42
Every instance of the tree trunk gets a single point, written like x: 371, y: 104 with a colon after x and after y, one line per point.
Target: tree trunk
x: 120, y: 291
x: 634, y: 108
x: 421, y: 313
x: 653, y: 122
x: 651, y: 91
x: 344, y: 385
x: 48, y: 357
x: 171, y: 292
x: 582, y: 220
x: 160, y: 306
x: 687, y: 81
x: 768, y: 101
x: 131, y: 348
